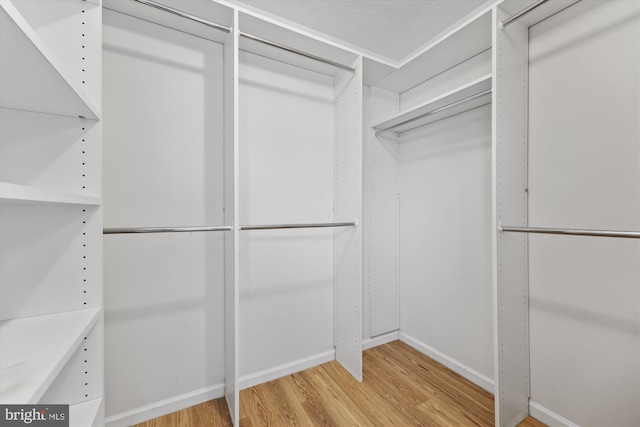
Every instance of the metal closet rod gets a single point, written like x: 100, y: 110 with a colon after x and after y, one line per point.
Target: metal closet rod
x: 571, y: 232
x: 131, y: 230
x: 281, y: 226
x: 298, y: 52
x: 437, y: 110
x: 522, y: 13
x: 185, y: 15
x: 245, y: 35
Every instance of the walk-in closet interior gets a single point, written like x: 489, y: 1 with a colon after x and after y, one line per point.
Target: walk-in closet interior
x: 201, y: 196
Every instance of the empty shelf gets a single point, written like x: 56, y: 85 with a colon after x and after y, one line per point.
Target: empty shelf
x: 24, y: 193
x: 469, y: 96
x: 35, y: 349
x: 30, y: 77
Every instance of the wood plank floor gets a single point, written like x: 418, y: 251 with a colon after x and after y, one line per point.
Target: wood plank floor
x: 401, y: 387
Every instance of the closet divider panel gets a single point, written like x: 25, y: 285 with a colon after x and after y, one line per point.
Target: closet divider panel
x: 384, y: 246
x: 164, y: 166
x: 231, y: 213
x: 584, y: 173
x: 347, y: 251
x: 511, y: 301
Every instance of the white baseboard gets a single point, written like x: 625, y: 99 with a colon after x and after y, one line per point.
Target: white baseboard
x: 379, y: 340
x: 164, y: 407
x: 167, y: 406
x: 548, y: 417
x: 459, y: 368
x: 271, y: 374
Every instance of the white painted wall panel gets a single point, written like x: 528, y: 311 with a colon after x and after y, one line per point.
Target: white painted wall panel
x: 286, y: 176
x: 164, y: 310
x: 445, y: 238
x: 584, y: 172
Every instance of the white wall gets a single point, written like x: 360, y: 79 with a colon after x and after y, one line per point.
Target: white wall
x: 584, y: 172
x: 162, y: 167
x: 286, y: 176
x: 445, y: 239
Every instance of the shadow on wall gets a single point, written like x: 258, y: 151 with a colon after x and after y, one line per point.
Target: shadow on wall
x: 621, y: 324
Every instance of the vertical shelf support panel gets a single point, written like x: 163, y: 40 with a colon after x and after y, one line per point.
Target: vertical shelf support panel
x: 52, y: 159
x: 511, y: 300
x: 384, y: 286
x: 231, y: 241
x: 347, y: 207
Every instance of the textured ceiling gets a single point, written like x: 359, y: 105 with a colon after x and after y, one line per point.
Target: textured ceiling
x: 390, y: 29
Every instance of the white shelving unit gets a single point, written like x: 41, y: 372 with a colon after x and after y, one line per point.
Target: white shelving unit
x: 50, y: 206
x: 51, y: 316
x: 467, y: 97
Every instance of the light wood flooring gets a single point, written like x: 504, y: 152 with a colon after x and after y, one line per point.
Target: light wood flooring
x: 401, y: 387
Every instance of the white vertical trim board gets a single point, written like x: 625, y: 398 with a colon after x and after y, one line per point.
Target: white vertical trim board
x: 165, y: 406
x: 510, y: 250
x: 470, y: 374
x: 231, y: 239
x: 384, y: 284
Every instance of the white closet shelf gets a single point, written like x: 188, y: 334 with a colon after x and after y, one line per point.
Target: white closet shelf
x: 23, y: 193
x: 85, y: 414
x: 35, y: 349
x: 292, y: 38
x: 460, y: 44
x: 210, y: 11
x: 428, y: 112
x: 538, y: 14
x: 31, y: 78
